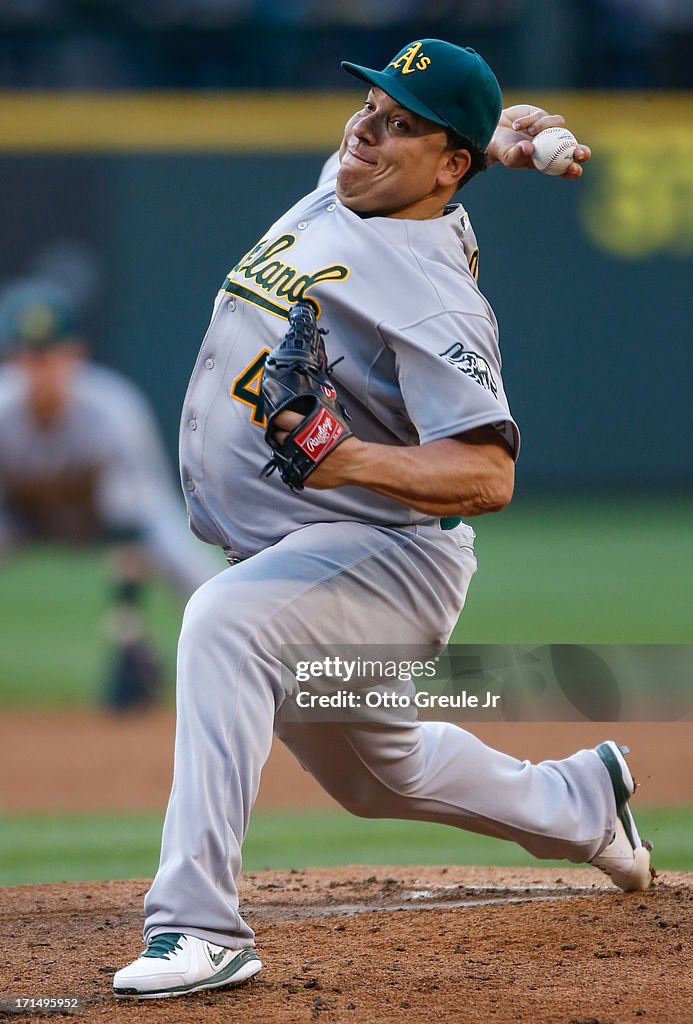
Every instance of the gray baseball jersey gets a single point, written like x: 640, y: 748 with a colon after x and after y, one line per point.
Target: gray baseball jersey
x: 100, y: 469
x: 416, y: 341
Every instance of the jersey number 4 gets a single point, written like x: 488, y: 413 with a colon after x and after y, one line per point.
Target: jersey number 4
x: 246, y: 388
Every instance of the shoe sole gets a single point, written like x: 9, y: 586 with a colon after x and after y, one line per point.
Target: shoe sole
x: 247, y: 968
x: 640, y: 876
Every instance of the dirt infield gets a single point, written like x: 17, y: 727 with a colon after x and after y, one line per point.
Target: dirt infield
x: 398, y: 946
x: 393, y: 945
x: 87, y: 761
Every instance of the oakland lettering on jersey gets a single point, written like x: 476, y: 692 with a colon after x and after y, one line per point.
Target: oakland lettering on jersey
x: 471, y: 363
x: 276, y: 277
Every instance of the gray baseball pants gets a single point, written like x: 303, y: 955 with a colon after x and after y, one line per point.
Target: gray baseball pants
x: 338, y: 583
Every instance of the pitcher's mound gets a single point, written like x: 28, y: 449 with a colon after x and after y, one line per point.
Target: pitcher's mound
x: 360, y: 944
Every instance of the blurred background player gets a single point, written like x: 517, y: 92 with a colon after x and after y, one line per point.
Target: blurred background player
x: 82, y: 462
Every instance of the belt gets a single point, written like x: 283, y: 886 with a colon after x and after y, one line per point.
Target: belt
x: 450, y: 522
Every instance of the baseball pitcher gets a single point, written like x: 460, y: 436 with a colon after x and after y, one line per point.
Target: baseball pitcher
x: 346, y: 415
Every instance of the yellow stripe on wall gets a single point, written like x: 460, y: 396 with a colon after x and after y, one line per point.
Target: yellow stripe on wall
x: 172, y: 121
x: 258, y: 122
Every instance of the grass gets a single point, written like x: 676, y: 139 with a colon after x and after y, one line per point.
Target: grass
x: 582, y: 570
x: 52, y: 605
x: 36, y: 848
x: 575, y: 570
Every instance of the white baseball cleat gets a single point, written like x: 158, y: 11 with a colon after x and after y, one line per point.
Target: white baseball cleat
x: 174, y: 965
x: 626, y: 859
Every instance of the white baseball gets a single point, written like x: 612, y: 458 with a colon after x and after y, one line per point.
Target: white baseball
x: 553, y: 150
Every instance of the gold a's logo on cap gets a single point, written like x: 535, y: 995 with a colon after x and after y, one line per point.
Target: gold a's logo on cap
x: 405, y: 61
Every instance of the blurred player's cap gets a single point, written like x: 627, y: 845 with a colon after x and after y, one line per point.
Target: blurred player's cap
x: 34, y: 315
x: 450, y: 85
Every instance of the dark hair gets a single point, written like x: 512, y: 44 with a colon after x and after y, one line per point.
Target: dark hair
x: 480, y: 160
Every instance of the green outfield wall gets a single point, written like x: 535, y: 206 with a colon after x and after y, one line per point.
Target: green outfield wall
x: 591, y: 281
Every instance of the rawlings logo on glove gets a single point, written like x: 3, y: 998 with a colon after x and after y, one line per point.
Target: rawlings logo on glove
x: 296, y: 377
x: 320, y: 435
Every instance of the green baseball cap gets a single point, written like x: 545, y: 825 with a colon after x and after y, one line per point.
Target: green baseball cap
x: 35, y: 314
x: 450, y: 85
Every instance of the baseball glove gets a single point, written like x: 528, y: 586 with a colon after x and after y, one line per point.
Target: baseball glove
x: 296, y: 376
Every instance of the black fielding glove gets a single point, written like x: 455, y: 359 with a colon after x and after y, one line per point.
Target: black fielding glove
x: 296, y: 377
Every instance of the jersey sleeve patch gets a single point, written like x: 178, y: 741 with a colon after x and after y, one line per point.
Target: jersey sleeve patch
x: 472, y: 364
